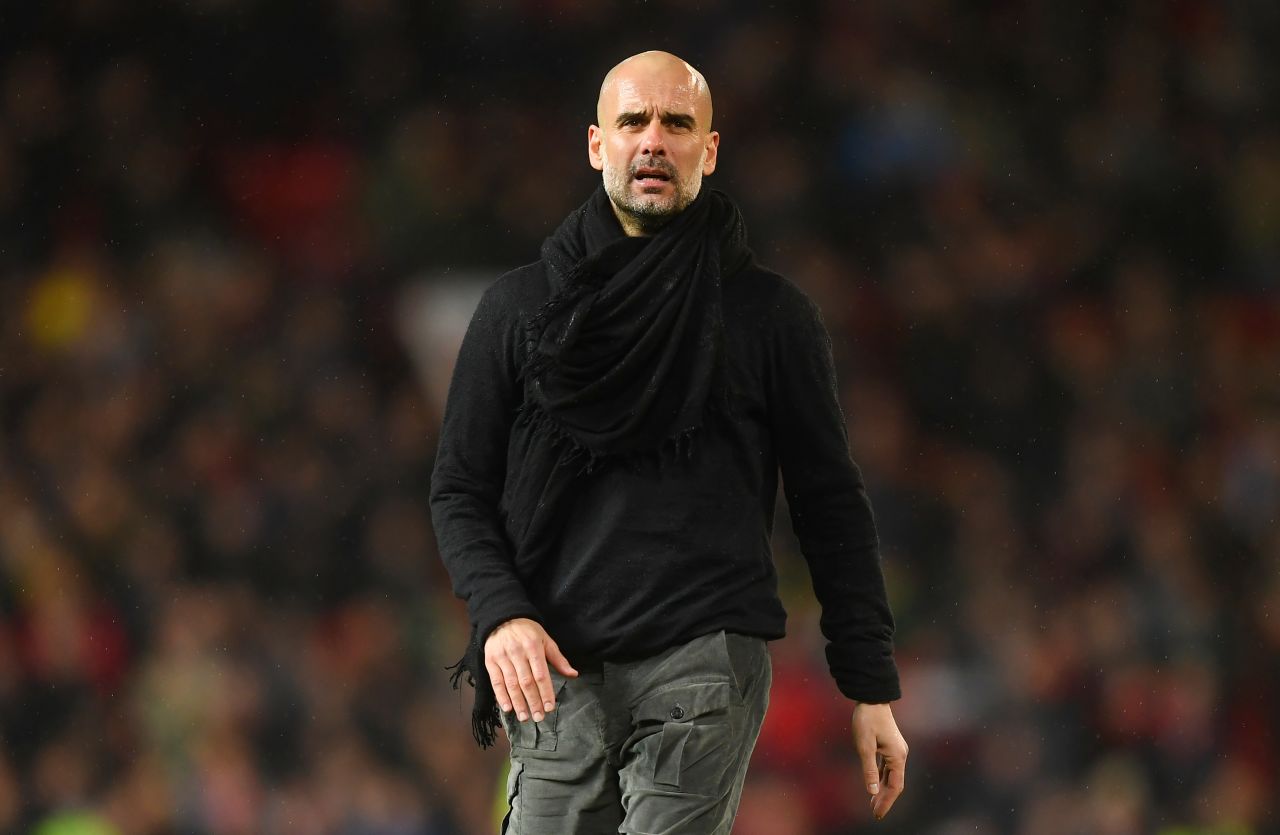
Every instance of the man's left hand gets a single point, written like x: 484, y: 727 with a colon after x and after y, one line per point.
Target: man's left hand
x: 876, y: 733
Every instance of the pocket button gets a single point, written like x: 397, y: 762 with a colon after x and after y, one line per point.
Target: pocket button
x: 677, y: 713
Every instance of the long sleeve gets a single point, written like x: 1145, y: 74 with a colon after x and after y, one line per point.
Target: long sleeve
x: 470, y: 469
x: 830, y: 511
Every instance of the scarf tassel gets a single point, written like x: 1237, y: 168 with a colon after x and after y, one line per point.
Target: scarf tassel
x: 485, y: 720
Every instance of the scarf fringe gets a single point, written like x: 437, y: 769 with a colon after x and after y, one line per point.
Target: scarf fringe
x: 485, y: 720
x: 674, y: 449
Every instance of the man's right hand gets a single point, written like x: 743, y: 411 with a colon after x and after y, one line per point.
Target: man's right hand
x: 516, y: 655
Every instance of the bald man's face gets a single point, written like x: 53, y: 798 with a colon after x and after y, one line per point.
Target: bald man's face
x: 654, y: 142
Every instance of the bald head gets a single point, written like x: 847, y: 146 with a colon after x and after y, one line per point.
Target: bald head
x: 654, y: 141
x: 655, y: 66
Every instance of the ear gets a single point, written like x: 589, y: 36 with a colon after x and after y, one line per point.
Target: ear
x: 595, y: 136
x: 713, y: 148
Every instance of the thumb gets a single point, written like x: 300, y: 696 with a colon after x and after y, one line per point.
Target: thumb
x: 557, y: 659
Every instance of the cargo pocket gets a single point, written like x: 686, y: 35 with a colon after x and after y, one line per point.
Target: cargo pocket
x: 536, y: 736
x: 695, y: 748
x: 666, y: 768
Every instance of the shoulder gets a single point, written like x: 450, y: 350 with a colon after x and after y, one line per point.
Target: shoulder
x: 516, y: 292
x: 777, y: 300
x: 521, y: 278
x: 527, y: 281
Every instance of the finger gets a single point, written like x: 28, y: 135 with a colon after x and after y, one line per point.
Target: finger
x: 895, y: 780
x: 867, y: 754
x: 514, y: 690
x: 542, y: 679
x: 897, y: 773
x: 528, y: 684
x: 499, y: 685
x: 557, y: 659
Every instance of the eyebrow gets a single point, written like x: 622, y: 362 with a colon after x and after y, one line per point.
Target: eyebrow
x: 668, y: 118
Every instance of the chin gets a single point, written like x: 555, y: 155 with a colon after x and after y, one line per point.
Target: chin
x: 657, y: 204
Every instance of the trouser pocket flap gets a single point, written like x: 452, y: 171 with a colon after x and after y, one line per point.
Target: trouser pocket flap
x: 670, y: 753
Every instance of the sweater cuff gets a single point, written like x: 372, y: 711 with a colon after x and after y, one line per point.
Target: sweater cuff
x: 496, y: 608
x: 865, y: 675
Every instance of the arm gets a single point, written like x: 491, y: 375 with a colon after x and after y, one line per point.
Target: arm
x: 470, y: 471
x: 466, y: 488
x: 829, y: 508
x: 832, y: 518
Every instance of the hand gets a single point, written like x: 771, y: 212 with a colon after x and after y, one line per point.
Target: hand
x: 516, y: 656
x: 876, y: 733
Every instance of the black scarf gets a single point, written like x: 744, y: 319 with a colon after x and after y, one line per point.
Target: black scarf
x: 624, y: 361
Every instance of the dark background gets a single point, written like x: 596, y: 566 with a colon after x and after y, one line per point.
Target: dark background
x: 237, y: 240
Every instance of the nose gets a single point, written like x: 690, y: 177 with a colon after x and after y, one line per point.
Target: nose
x: 651, y: 142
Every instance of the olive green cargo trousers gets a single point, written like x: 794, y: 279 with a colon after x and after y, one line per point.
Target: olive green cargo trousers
x: 647, y: 747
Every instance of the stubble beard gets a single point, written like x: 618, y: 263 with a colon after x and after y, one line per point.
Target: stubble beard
x: 649, y: 212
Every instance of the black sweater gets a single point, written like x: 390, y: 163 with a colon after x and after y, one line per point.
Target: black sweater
x: 651, y: 557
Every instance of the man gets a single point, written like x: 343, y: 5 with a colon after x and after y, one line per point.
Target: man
x: 604, y: 489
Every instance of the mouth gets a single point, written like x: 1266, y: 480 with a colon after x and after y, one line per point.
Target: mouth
x: 651, y: 177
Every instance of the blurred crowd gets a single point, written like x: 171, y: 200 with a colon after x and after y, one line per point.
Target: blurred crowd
x: 1046, y: 241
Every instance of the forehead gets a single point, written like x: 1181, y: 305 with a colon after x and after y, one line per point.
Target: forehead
x: 670, y: 90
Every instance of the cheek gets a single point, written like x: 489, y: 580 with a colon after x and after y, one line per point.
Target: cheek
x: 696, y: 160
x: 616, y: 149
